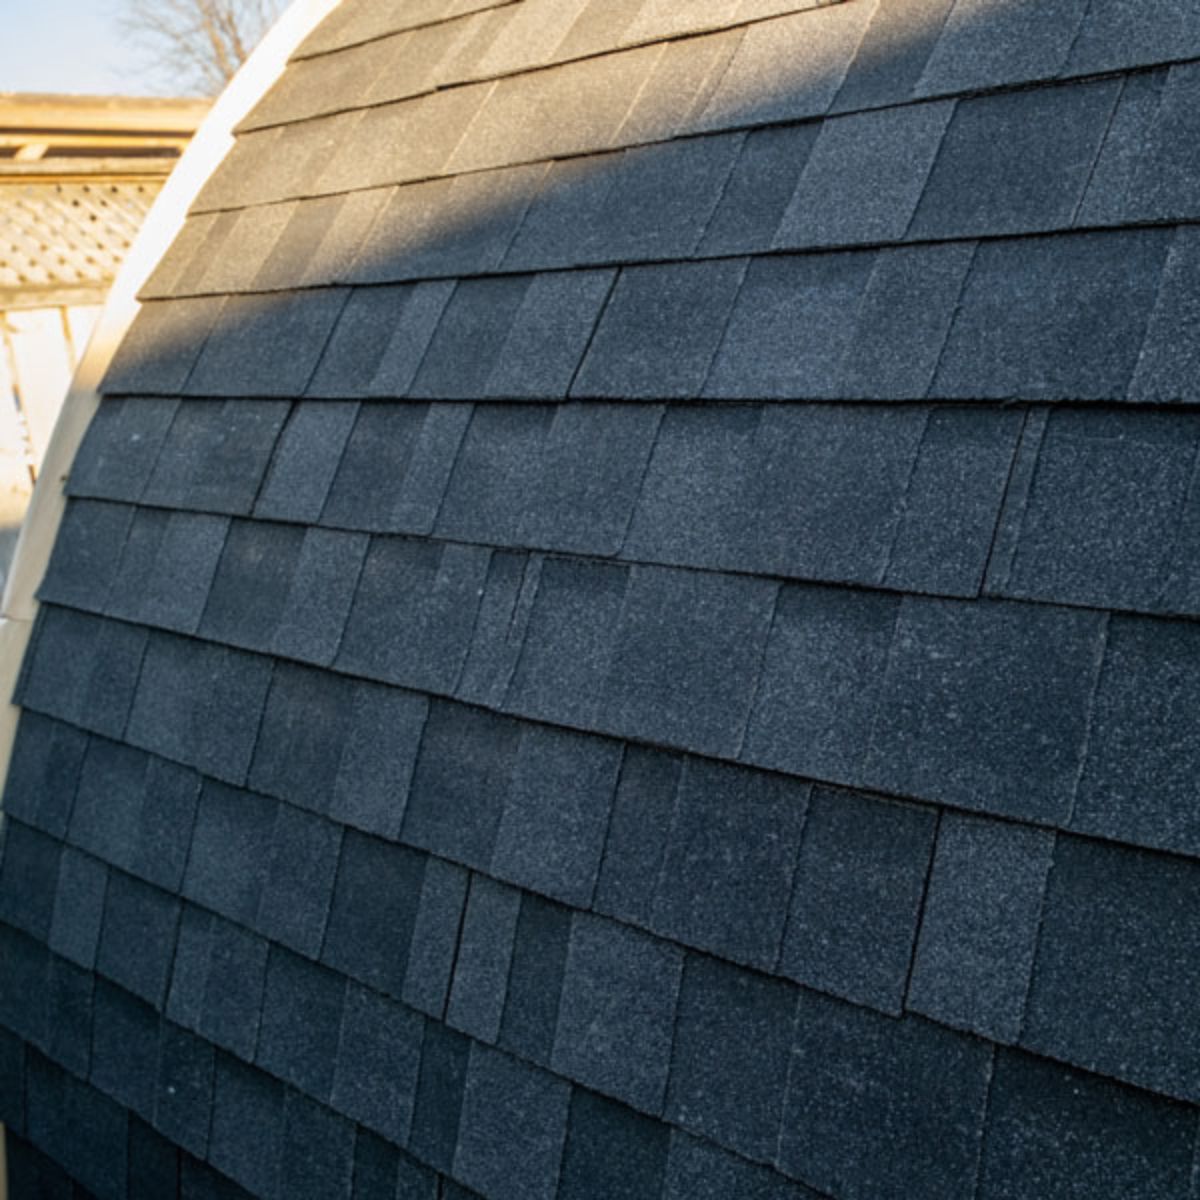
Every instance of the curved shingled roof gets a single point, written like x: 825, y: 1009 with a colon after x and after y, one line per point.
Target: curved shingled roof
x: 626, y: 626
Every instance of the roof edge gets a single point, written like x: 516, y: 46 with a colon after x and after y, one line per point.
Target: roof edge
x: 212, y: 142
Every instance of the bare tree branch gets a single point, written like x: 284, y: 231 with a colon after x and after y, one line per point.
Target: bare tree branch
x: 196, y: 45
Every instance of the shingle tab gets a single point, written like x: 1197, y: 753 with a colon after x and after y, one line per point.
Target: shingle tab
x: 78, y: 906
x: 481, y: 966
x: 975, y: 954
x: 214, y: 729
x: 1057, y: 1132
x: 1028, y: 306
x: 370, y: 942
x: 317, y: 1157
x: 436, y: 1115
x: 460, y: 783
x: 299, y: 883
x: 892, y: 53
x: 1166, y: 367
x: 551, y: 835
x: 880, y: 1107
x: 380, y: 340
x: 304, y: 729
x: 514, y: 1119
x: 183, y: 1095
x: 301, y: 1020
x: 121, y: 445
x: 378, y: 758
x: 215, y: 455
x: 72, y: 1035
x: 247, y: 1126
x: 955, y: 738
x: 305, y: 461
x: 860, y: 884
x: 435, y: 937
x: 1016, y: 162
x: 820, y: 684
x: 729, y: 1063
x: 137, y: 937
x: 864, y: 177
x: 413, y: 613
x: 1137, y: 779
x: 495, y: 478
x: 378, y: 1056
x: 638, y: 833
x: 793, y: 322
x: 789, y: 68
x: 124, y: 1048
x: 732, y: 905
x: 700, y: 1170
x: 160, y: 349
x: 1098, y: 526
x: 660, y: 330
x: 326, y: 575
x: 611, y: 1153
x: 1122, y: 33
x: 548, y: 336
x: 266, y: 345
x: 231, y: 851
x: 43, y: 774
x: 687, y: 658
x: 759, y: 189
x: 535, y: 979
x: 86, y: 553
x: 82, y: 669
x: 986, y: 45
x: 616, y: 1016
x: 29, y: 879
x: 1116, y: 938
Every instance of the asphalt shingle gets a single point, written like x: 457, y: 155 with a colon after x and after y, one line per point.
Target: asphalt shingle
x: 1135, y: 784
x: 29, y: 879
x: 120, y: 448
x: 460, y: 783
x: 294, y: 905
x: 1116, y: 938
x: 535, y: 979
x: 945, y: 734
x: 514, y: 1119
x: 860, y: 885
x: 1118, y: 33
x: 370, y: 943
x: 161, y: 348
x: 1029, y: 304
x: 247, y: 1126
x: 124, y: 1039
x: 687, y: 657
x: 184, y: 1088
x: 481, y: 967
x: 1016, y: 162
x: 305, y: 460
x: 617, y: 1012
x: 1057, y: 1132
x: 611, y: 1153
x: 137, y: 937
x: 733, y: 1033
x: 1166, y: 366
x: 378, y: 1057
x: 301, y: 1020
x: 439, y: 1099
x: 979, y: 926
x: 317, y: 1158
x: 86, y: 553
x: 660, y: 330
x: 43, y: 773
x: 985, y: 45
x: 880, y: 1107
x: 435, y: 937
x: 700, y: 1170
x: 865, y: 176
x: 78, y: 906
x: 732, y: 905
x: 551, y: 835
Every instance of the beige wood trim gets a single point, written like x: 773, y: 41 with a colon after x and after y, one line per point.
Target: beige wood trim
x: 45, y: 110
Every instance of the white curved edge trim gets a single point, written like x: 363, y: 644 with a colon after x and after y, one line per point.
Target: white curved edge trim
x: 212, y: 142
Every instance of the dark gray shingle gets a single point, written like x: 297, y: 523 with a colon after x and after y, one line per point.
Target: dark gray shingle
x: 137, y: 937
x: 481, y: 966
x: 247, y: 1126
x: 733, y: 905
x: 617, y: 1012
x: 611, y: 1153
x: 860, y: 886
x: 435, y: 937
x: 120, y: 448
x: 295, y: 899
x: 882, y: 1107
x: 305, y: 461
x: 975, y: 954
x: 733, y: 1034
x: 535, y: 979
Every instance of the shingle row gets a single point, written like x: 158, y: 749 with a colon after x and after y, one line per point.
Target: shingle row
x: 1052, y: 158
x: 810, y: 680
x: 1003, y: 321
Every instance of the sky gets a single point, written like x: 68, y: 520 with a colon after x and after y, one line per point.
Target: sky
x: 67, y: 46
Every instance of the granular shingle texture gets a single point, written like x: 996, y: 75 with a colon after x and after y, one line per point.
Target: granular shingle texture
x: 625, y: 628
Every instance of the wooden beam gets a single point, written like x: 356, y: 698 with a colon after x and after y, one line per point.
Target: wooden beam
x: 28, y: 111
